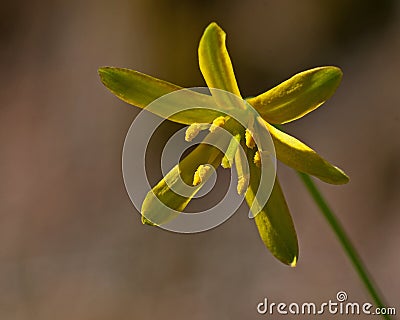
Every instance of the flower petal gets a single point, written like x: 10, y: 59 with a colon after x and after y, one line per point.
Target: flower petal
x: 274, y: 221
x: 299, y: 156
x: 162, y: 204
x: 140, y: 90
x: 297, y: 96
x: 215, y: 64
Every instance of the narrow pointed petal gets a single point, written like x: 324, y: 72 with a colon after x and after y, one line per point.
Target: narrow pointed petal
x: 299, y: 156
x: 140, y: 90
x: 297, y: 96
x: 162, y: 204
x: 273, y: 221
x: 215, y: 63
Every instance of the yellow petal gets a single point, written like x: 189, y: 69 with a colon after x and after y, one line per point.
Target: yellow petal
x: 140, y: 90
x: 297, y: 96
x: 216, y: 67
x: 215, y: 64
x: 274, y: 221
x: 299, y: 156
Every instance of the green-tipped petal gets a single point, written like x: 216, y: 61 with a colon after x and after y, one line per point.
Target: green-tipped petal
x: 299, y: 156
x: 156, y: 208
x: 140, y: 90
x: 274, y: 221
x: 298, y: 95
x: 216, y: 66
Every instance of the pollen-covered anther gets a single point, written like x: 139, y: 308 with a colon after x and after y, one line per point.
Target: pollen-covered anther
x: 217, y: 123
x: 193, y: 130
x: 243, y: 183
x: 257, y: 159
x: 226, y: 162
x: 201, y: 174
x: 250, y: 143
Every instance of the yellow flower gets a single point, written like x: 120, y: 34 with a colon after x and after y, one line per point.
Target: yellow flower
x: 288, y: 101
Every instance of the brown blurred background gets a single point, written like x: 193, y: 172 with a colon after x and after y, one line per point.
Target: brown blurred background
x: 71, y: 243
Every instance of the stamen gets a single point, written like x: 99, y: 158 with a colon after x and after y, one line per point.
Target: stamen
x: 257, y: 159
x: 193, y: 130
x: 242, y: 170
x: 218, y: 122
x: 229, y: 156
x: 243, y: 183
x: 249, y: 139
x: 201, y: 173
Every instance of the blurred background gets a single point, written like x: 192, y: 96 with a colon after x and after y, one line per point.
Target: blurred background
x: 71, y: 243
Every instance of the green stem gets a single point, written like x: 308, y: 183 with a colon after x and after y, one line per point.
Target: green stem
x: 344, y: 240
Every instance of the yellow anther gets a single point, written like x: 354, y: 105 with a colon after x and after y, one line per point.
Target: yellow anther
x: 249, y: 139
x: 201, y: 174
x: 218, y: 122
x: 193, y: 130
x: 242, y: 184
x: 257, y: 159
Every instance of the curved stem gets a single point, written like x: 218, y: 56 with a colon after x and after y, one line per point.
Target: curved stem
x: 344, y: 240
